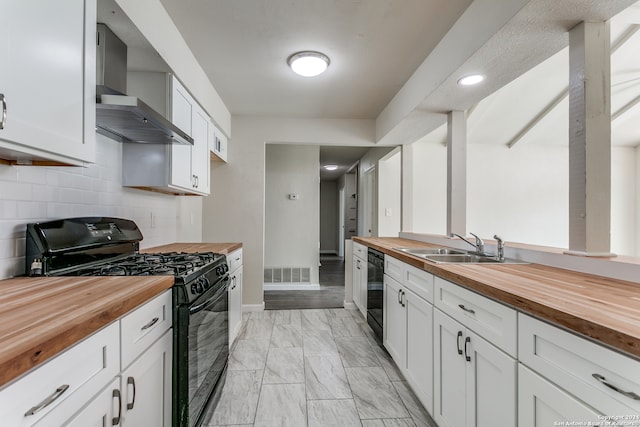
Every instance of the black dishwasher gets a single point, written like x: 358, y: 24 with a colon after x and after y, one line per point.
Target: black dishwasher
x: 375, y: 273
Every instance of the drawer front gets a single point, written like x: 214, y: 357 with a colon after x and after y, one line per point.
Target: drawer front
x: 143, y: 326
x: 74, y: 375
x: 360, y: 250
x: 493, y: 321
x: 419, y: 281
x: 234, y: 259
x: 580, y: 367
x: 394, y: 268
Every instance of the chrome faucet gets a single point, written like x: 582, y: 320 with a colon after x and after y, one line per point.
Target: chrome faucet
x: 479, y: 245
x: 500, y: 247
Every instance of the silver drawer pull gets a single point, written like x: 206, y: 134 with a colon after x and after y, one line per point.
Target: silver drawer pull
x: 468, y: 310
x: 604, y: 381
x: 116, y: 420
x: 150, y: 324
x: 3, y: 122
x: 132, y: 381
x: 48, y: 401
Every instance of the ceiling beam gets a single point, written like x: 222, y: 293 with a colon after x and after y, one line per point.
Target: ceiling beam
x: 628, y: 106
x: 541, y: 115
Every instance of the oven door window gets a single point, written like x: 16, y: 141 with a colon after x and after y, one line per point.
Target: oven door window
x: 208, y: 347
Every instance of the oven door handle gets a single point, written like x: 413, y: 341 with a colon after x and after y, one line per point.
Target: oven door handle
x: 196, y: 308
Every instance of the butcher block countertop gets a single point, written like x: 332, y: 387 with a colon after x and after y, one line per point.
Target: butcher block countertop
x: 606, y: 310
x: 221, y: 248
x: 42, y: 316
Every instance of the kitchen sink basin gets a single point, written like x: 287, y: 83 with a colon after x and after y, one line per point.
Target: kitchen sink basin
x: 423, y: 252
x: 469, y: 259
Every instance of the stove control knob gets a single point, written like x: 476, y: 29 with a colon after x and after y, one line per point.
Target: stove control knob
x: 193, y: 289
x: 225, y: 268
x: 199, y: 288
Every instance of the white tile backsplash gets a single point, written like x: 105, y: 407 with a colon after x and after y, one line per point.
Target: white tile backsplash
x: 32, y: 194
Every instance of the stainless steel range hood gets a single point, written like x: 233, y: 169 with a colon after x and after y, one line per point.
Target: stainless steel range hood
x: 121, y: 117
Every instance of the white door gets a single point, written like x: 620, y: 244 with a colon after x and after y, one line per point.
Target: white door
x: 394, y: 326
x: 449, y: 371
x: 542, y: 404
x: 341, y: 217
x: 101, y: 411
x: 146, y: 386
x: 200, y: 151
x: 419, y: 371
x: 356, y: 280
x: 491, y: 384
x: 181, y: 116
x: 235, y: 305
x: 370, y: 203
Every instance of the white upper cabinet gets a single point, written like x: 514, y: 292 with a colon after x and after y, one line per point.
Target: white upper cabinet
x: 169, y: 168
x: 217, y: 144
x: 47, y: 81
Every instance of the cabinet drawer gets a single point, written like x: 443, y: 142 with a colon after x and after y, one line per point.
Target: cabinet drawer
x: 394, y: 268
x: 419, y: 281
x: 140, y: 328
x: 76, y: 374
x: 234, y: 259
x: 360, y: 250
x: 580, y: 366
x: 491, y: 320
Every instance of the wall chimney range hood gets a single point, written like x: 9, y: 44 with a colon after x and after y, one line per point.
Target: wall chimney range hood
x: 121, y: 117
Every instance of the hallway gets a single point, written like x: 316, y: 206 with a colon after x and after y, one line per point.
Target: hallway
x: 330, y: 294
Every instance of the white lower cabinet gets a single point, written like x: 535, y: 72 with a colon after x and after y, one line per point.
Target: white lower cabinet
x: 542, y: 404
x: 475, y: 382
x: 89, y: 385
x: 234, y: 260
x: 359, y: 281
x: 407, y: 328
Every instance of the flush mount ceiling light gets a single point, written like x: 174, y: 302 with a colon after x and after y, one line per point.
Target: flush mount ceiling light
x: 308, y: 63
x: 330, y: 167
x: 470, y: 80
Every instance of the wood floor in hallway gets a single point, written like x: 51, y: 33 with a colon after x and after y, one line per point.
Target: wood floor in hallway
x: 330, y: 294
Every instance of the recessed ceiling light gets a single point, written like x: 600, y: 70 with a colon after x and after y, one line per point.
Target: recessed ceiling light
x: 471, y: 80
x: 330, y: 167
x: 308, y: 63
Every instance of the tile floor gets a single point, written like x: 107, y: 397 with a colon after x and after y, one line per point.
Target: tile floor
x: 316, y: 367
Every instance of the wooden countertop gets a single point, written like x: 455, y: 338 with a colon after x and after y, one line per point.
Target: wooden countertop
x: 604, y: 309
x: 40, y: 317
x: 221, y: 248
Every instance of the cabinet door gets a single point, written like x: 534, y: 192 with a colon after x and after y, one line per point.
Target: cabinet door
x: 419, y: 372
x: 235, y: 305
x: 356, y: 281
x: 146, y: 386
x: 542, y: 404
x: 101, y: 411
x: 200, y: 151
x: 181, y: 115
x: 364, y: 267
x: 394, y: 328
x: 449, y: 371
x: 491, y: 384
x: 47, y: 78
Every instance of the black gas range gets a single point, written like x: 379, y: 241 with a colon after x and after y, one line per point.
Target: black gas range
x: 103, y: 246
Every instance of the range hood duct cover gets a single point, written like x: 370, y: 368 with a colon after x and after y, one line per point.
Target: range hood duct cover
x: 121, y: 117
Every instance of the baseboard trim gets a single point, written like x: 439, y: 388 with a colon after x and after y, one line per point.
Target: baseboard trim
x: 253, y: 307
x: 291, y: 287
x: 349, y: 305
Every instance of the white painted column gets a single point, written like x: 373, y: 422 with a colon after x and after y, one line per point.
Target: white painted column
x: 407, y: 188
x: 590, y: 139
x: 457, y: 173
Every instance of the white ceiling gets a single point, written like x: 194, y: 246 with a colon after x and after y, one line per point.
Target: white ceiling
x: 397, y: 61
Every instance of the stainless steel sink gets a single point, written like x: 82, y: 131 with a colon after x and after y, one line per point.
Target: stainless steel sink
x: 469, y: 259
x: 423, y: 252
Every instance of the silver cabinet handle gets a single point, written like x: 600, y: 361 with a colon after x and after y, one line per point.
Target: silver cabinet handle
x: 604, y: 381
x: 131, y: 381
x: 116, y: 420
x: 400, y: 296
x: 403, y: 299
x: 358, y: 262
x: 468, y: 310
x: 150, y: 324
x: 3, y: 122
x: 467, y: 340
x: 458, y: 342
x: 48, y: 401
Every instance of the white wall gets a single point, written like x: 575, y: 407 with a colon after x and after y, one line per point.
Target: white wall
x: 32, y: 194
x: 292, y: 227
x: 328, y: 216
x: 637, y: 195
x: 369, y: 160
x: 234, y: 212
x: 389, y: 194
